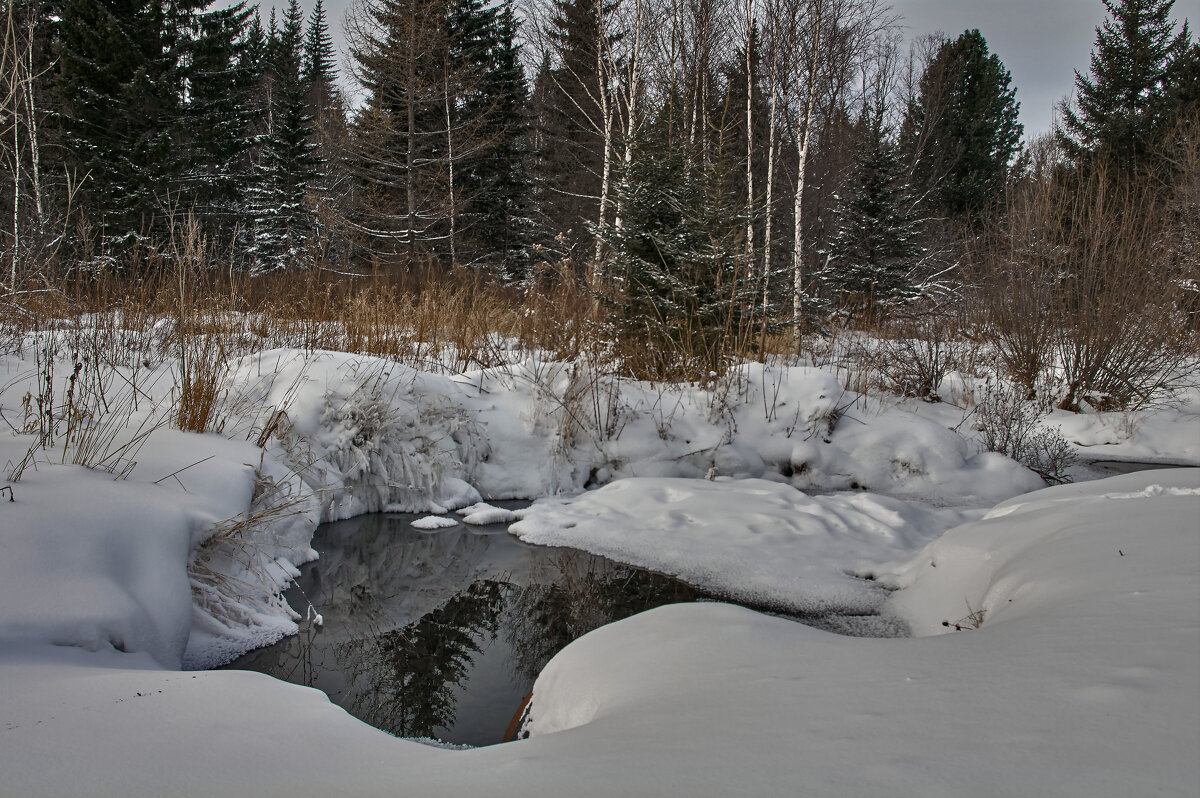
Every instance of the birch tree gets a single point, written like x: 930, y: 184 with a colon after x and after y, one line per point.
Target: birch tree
x: 20, y: 144
x: 820, y: 40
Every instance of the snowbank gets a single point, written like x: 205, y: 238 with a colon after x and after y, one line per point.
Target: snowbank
x: 751, y: 540
x: 1082, y: 679
x: 1087, y: 683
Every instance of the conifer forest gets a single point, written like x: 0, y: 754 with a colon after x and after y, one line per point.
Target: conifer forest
x: 695, y: 181
x: 595, y: 398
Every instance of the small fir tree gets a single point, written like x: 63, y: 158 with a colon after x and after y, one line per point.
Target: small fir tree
x: 673, y: 276
x: 874, y: 253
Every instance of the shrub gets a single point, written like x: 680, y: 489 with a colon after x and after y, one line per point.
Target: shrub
x: 1009, y: 424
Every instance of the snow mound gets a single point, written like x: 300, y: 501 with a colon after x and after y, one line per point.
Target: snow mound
x: 1082, y: 678
x: 1089, y: 546
x: 482, y: 514
x: 753, y: 540
x: 433, y: 522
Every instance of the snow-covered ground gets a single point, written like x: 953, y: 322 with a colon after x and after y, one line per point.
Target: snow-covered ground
x: 1082, y: 678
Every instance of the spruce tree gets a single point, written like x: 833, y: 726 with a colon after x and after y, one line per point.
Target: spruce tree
x: 498, y: 180
x: 961, y: 131
x: 1183, y: 97
x: 117, y: 96
x: 1125, y: 105
x: 399, y: 133
x: 874, y: 252
x: 218, y: 117
x: 320, y: 63
x: 570, y: 128
x: 332, y: 189
x: 672, y: 287
x: 288, y: 164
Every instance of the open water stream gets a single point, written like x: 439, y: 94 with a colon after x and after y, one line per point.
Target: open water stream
x: 441, y: 634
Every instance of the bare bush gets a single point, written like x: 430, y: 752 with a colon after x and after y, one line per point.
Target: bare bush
x: 1009, y: 424
x: 1081, y: 290
x: 926, y: 348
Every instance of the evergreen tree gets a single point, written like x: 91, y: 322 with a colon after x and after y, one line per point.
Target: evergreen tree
x: 874, y: 252
x: 1126, y: 105
x: 399, y: 134
x: 329, y: 136
x: 288, y: 164
x: 1184, y: 86
x: 254, y: 46
x: 961, y: 131
x: 320, y: 63
x: 498, y: 180
x: 673, y: 288
x: 117, y: 95
x: 218, y: 116
x: 570, y: 153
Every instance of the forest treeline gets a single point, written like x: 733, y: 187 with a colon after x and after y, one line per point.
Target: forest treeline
x: 706, y: 171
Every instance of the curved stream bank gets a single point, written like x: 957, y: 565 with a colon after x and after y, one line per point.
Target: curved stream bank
x: 441, y: 634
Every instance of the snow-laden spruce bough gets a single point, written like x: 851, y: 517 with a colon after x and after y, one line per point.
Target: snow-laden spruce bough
x: 1076, y: 670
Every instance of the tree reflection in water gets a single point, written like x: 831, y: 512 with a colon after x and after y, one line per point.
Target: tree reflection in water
x: 413, y: 670
x: 573, y: 593
x: 418, y: 624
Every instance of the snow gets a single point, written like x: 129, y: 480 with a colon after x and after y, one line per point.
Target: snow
x: 1082, y: 678
x: 482, y: 514
x: 751, y: 540
x: 1169, y: 435
x: 432, y: 523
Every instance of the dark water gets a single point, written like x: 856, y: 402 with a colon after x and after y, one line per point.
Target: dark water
x: 441, y: 634
x: 1111, y: 467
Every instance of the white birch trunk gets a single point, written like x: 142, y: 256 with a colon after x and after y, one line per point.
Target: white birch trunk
x: 749, y: 138
x: 769, y: 200
x: 633, y: 86
x: 449, y: 157
x: 607, y: 129
x: 803, y: 138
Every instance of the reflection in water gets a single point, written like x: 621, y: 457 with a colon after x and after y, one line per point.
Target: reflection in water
x: 574, y: 593
x: 412, y: 670
x: 441, y: 635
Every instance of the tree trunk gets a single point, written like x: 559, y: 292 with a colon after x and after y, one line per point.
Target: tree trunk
x: 449, y: 156
x: 803, y: 139
x: 769, y: 200
x: 606, y: 122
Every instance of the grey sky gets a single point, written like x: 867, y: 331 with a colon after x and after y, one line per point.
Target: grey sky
x: 1042, y: 42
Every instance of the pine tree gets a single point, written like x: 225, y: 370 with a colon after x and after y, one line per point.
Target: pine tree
x: 961, y: 131
x: 876, y: 247
x: 1125, y: 105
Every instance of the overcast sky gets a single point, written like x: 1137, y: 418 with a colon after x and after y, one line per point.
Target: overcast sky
x: 1042, y: 42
